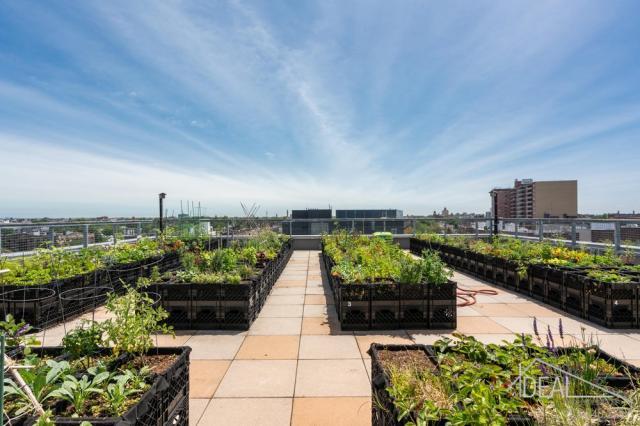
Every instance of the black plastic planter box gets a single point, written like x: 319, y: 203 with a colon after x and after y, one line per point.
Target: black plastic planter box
x: 165, y: 403
x: 385, y: 413
x: 383, y: 409
x: 208, y: 306
x: 614, y: 305
x: 220, y: 306
x: 512, y: 278
x: 567, y: 288
x: 389, y: 306
x: 61, y: 300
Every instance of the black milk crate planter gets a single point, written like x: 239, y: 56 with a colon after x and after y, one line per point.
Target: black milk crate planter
x: 414, y: 306
x: 472, y: 262
x: 387, y: 306
x: 220, y: 306
x: 512, y: 277
x: 442, y: 305
x: 164, y: 403
x: 537, y: 275
x: 37, y: 306
x: 354, y: 306
x: 385, y: 413
x: 614, y: 305
x: 490, y: 265
x: 500, y: 268
x: 574, y: 292
x: 383, y: 408
x: 555, y: 286
x: 208, y: 306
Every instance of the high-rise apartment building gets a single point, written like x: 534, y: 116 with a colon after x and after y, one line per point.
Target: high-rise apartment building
x: 529, y: 199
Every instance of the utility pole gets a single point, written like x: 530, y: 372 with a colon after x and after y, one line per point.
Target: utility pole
x: 495, y: 213
x: 160, y: 200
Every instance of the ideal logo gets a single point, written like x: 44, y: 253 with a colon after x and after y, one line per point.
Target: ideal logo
x: 556, y: 382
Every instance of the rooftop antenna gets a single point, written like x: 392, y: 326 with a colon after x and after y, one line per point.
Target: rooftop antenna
x: 250, y: 214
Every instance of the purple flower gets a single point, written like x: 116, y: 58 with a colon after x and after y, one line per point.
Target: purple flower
x: 548, y: 343
x: 553, y: 344
x: 535, y: 327
x: 560, y: 329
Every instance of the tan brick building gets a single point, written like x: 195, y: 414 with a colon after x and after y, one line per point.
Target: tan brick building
x: 529, y: 199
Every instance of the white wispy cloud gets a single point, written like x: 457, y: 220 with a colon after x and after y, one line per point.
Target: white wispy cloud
x: 413, y: 105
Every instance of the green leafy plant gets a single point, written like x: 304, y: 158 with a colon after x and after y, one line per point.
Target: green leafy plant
x: 83, y: 341
x: 122, y: 388
x: 41, y: 377
x: 78, y: 391
x: 16, y: 334
x: 135, y: 320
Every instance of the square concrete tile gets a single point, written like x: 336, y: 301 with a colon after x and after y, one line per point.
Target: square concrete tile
x: 215, y: 346
x: 269, y: 347
x: 281, y: 311
x: 498, y: 310
x: 318, y: 299
x: 294, y: 276
x: 180, y: 339
x: 292, y: 299
x: 364, y: 342
x: 467, y: 311
x: 205, y: 376
x: 342, y: 411
x: 472, y: 325
x: 515, y: 325
x: 535, y: 310
x: 335, y: 377
x: 318, y: 311
x: 275, y: 326
x: 320, y: 325
x: 328, y: 347
x: 196, y: 408
x: 247, y: 412
x: 619, y: 345
x: 318, y: 290
x: 249, y: 378
x: 287, y: 291
x: 289, y: 284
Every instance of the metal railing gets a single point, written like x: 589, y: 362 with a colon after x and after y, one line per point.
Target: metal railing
x: 20, y: 239
x: 596, y: 234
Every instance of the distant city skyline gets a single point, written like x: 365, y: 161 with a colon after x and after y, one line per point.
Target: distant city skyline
x: 411, y: 105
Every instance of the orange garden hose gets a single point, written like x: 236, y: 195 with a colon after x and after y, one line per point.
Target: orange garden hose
x: 468, y: 296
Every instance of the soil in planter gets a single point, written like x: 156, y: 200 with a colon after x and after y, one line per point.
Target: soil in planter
x: 158, y: 364
x: 413, y: 380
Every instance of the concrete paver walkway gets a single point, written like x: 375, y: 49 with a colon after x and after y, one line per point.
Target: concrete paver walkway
x: 295, y: 366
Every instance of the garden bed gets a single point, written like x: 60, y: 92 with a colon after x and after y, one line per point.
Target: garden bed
x: 49, y: 304
x: 207, y: 306
x: 606, y: 301
x: 165, y: 402
x: 104, y: 373
x: 386, y: 304
x: 466, y: 382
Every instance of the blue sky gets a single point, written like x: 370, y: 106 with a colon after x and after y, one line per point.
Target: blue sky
x: 412, y: 105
